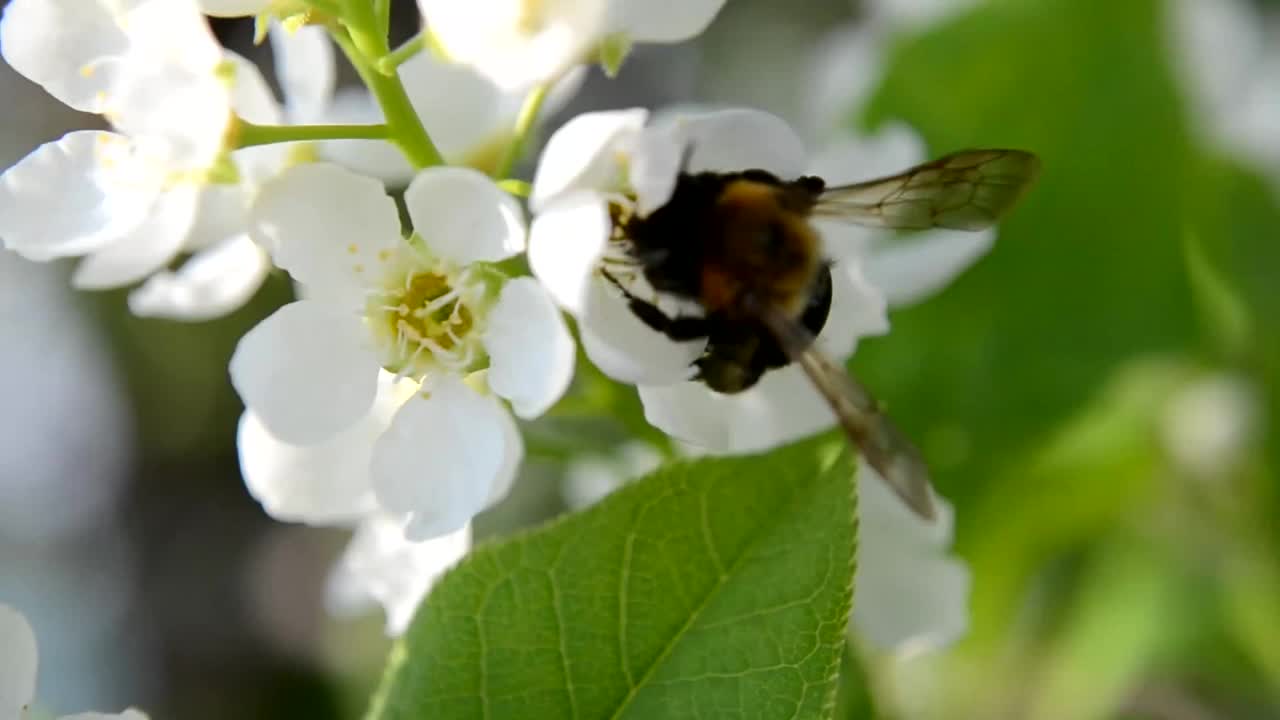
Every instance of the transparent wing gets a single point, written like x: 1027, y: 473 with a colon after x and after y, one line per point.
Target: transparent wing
x: 885, y: 447
x: 968, y: 190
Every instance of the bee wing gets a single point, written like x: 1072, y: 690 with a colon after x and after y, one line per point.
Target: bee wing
x: 883, y: 445
x: 968, y: 190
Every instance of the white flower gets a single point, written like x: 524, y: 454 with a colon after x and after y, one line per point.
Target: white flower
x: 236, y: 8
x: 522, y: 42
x: 381, y: 566
x: 19, y: 657
x: 422, y: 310
x: 606, y: 162
x: 1210, y: 425
x: 1227, y: 58
x: 131, y: 201
x: 909, y: 594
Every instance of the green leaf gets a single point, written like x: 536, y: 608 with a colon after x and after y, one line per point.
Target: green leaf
x: 713, y: 588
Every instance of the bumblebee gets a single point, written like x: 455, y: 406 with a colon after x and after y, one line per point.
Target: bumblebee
x: 741, y: 246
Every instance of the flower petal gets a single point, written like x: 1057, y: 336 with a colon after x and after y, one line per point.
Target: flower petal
x: 380, y: 565
x: 512, y: 456
x: 626, y: 349
x: 516, y: 44
x: 130, y: 714
x: 375, y: 158
x: 909, y: 595
x: 663, y: 21
x: 566, y: 242
x: 328, y: 227
x: 782, y: 407
x: 690, y: 412
x: 463, y: 217
x: 736, y: 139
x: 61, y: 45
x: 912, y: 269
x: 234, y: 8
x: 306, y: 371
x: 441, y: 457
x: 848, y: 64
x: 321, y: 484
x: 18, y: 660
x: 531, y: 353
x: 892, y: 149
x: 584, y: 155
x: 474, y: 103
x: 210, y: 284
x: 305, y: 70
x: 146, y: 248
x: 858, y: 310
x: 100, y: 196
x: 251, y: 96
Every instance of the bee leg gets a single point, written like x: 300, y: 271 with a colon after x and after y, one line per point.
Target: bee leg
x: 679, y: 328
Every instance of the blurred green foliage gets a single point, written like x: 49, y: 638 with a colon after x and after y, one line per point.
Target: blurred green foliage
x: 1106, y: 580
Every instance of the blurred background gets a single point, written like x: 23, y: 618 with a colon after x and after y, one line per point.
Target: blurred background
x: 1099, y: 396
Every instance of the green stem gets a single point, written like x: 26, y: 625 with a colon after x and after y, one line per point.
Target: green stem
x: 388, y: 63
x: 524, y: 125
x: 405, y: 129
x: 382, y: 12
x: 249, y: 135
x: 519, y: 188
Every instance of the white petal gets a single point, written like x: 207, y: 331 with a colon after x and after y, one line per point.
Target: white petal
x: 222, y: 212
x: 516, y: 44
x: 584, y: 154
x: 62, y: 46
x: 18, y: 660
x: 463, y: 217
x: 375, y: 158
x: 512, y: 456
x: 234, y: 8
x: 912, y: 269
x: 891, y: 150
x: 380, y: 565
x: 738, y: 139
x: 100, y: 196
x: 210, y: 284
x: 531, y: 353
x: 626, y: 349
x: 306, y: 371
x: 566, y: 243
x: 656, y: 165
x: 910, y: 595
x: 251, y: 96
x: 847, y: 66
x: 305, y: 70
x: 331, y: 229
x: 441, y: 458
x: 690, y: 412
x: 663, y: 21
x: 858, y: 310
x: 146, y: 248
x: 475, y: 103
x: 319, y: 484
x: 130, y: 714
x: 782, y: 407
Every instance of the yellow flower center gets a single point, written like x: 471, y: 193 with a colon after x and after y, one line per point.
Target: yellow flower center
x: 422, y: 318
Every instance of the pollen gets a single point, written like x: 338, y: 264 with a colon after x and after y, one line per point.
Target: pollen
x: 352, y: 249
x: 423, y: 321
x: 87, y: 71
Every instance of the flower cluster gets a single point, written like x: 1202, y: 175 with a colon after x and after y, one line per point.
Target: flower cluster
x: 386, y: 397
